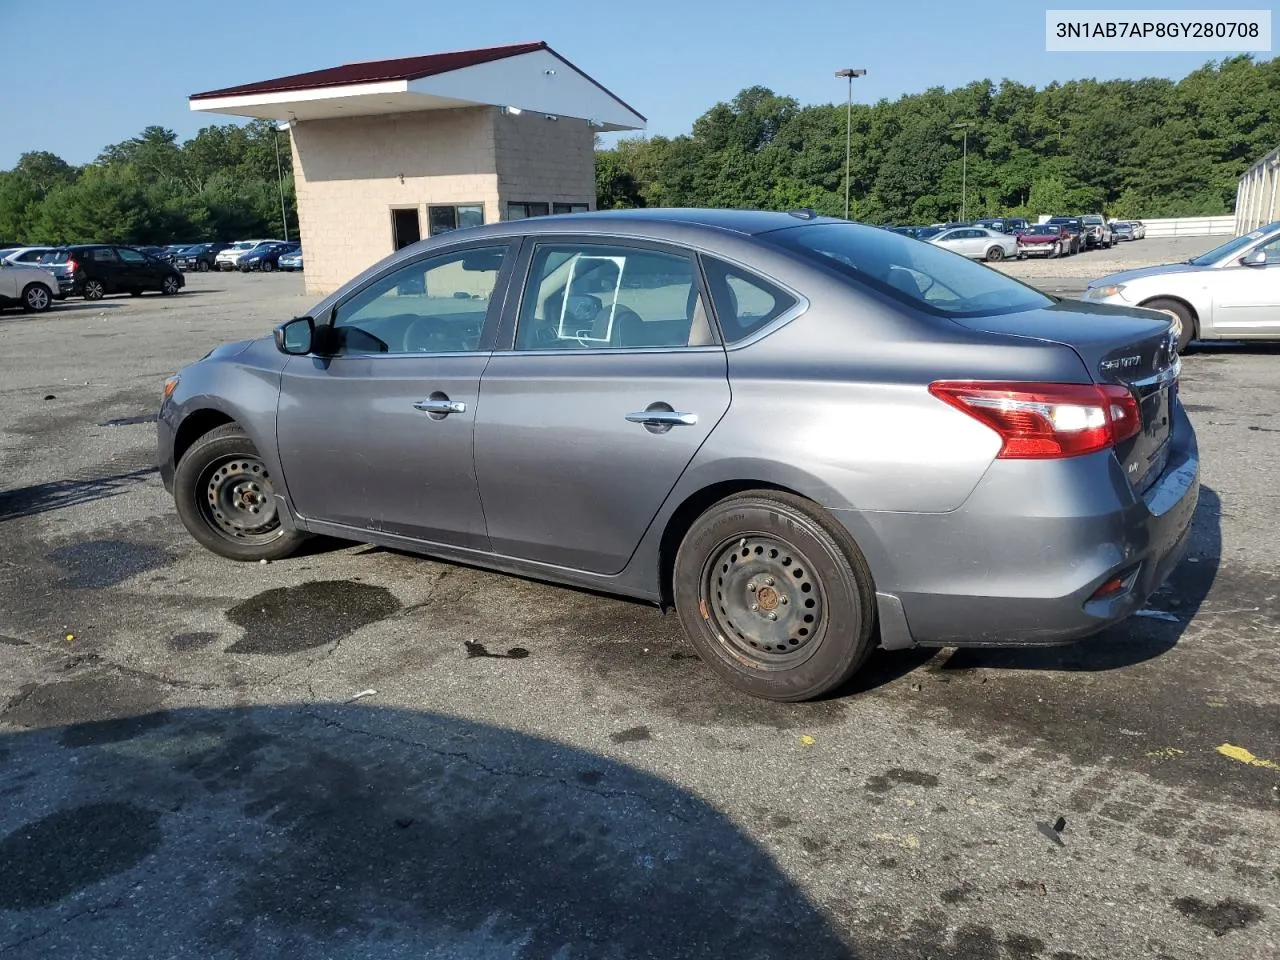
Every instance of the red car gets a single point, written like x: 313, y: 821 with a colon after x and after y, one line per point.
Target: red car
x: 1044, y: 239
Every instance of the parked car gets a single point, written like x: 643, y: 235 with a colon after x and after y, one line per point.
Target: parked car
x: 170, y: 253
x: 264, y: 257
x: 1232, y: 292
x: 977, y: 242
x: 97, y: 269
x: 228, y: 258
x: 1139, y: 230
x: 1009, y: 225
x: 290, y: 261
x: 1044, y: 240
x: 1075, y: 227
x: 28, y: 255
x: 1096, y: 231
x: 914, y: 439
x: 199, y: 256
x: 1121, y: 230
x: 26, y: 285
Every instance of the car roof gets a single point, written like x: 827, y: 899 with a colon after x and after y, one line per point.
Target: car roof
x: 747, y: 222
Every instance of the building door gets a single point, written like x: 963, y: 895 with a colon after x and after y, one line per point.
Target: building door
x: 405, y: 227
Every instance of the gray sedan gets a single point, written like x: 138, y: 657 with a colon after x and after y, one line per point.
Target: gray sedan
x: 809, y: 437
x: 977, y: 242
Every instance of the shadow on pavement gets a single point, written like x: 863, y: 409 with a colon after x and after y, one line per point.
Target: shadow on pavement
x: 345, y: 830
x: 56, y: 494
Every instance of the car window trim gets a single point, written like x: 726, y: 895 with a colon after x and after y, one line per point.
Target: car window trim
x: 493, y: 313
x: 505, y: 344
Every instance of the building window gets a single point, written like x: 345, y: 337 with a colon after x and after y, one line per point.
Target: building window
x: 442, y: 219
x: 406, y: 227
x: 570, y: 207
x: 522, y: 211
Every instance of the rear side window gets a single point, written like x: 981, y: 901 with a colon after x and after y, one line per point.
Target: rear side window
x: 744, y: 302
x: 102, y: 255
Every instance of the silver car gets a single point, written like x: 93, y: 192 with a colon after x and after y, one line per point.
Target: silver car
x: 1232, y: 292
x: 809, y: 437
x: 977, y: 242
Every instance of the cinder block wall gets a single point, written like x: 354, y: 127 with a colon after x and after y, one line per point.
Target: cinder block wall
x: 350, y: 173
x: 545, y: 161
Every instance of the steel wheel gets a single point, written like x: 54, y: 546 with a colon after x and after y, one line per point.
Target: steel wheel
x: 765, y: 601
x: 169, y: 286
x: 237, y: 501
x: 94, y: 290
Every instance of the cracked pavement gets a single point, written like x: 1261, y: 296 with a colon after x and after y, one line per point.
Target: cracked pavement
x: 361, y: 753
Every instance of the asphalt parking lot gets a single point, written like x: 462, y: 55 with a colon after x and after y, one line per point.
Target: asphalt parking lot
x: 360, y: 753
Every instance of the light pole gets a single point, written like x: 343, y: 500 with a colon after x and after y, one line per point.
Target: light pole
x: 849, y: 73
x: 284, y: 219
x: 964, y: 167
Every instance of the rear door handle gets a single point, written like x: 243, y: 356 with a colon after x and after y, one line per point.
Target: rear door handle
x: 663, y: 418
x: 440, y: 406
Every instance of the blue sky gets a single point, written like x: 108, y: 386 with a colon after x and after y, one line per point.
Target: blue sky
x: 100, y: 79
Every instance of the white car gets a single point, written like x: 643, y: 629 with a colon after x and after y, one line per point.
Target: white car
x: 226, y: 259
x: 30, y: 287
x: 1230, y: 293
x: 25, y: 255
x: 977, y: 242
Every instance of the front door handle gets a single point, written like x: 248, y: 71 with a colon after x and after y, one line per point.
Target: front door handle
x: 434, y: 405
x: 663, y: 418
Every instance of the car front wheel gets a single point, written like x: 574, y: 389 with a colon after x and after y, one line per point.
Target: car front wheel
x: 225, y: 498
x: 775, y: 596
x: 1178, y: 310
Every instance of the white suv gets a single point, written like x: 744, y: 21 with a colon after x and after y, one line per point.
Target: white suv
x: 226, y: 259
x: 31, y: 287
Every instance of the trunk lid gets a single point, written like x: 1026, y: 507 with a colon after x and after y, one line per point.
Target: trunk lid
x: 1119, y: 345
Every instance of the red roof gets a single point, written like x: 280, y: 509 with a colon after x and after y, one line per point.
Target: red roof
x: 377, y: 71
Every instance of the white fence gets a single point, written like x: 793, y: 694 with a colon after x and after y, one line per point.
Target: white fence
x: 1256, y: 197
x: 1188, y: 226
x: 1191, y: 227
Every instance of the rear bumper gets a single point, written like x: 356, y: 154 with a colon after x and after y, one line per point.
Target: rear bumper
x: 1020, y: 562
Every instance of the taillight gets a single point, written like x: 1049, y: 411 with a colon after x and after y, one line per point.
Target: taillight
x: 72, y: 266
x: 1046, y: 421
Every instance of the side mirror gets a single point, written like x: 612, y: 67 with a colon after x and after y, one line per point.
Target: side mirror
x: 296, y: 336
x: 1257, y: 258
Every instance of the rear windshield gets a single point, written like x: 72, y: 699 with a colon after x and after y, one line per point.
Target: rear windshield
x: 920, y: 275
x: 56, y: 256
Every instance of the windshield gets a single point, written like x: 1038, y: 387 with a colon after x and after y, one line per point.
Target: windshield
x: 920, y: 275
x: 1232, y: 246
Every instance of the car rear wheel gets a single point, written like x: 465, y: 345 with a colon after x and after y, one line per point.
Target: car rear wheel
x: 169, y: 286
x: 225, y: 498
x: 94, y: 290
x: 775, y: 596
x: 1175, y: 308
x: 36, y: 298
x: 995, y: 254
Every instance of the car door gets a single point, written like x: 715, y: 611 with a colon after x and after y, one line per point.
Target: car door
x: 378, y: 435
x: 951, y: 240
x: 611, y: 380
x: 9, y: 281
x: 136, y: 272
x: 972, y: 242
x: 1246, y: 300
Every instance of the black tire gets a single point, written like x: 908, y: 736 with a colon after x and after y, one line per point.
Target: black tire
x: 808, y: 628
x: 995, y: 255
x: 202, y: 267
x: 267, y: 266
x: 36, y: 298
x: 94, y: 289
x: 170, y: 285
x: 222, y: 490
x: 1180, y: 310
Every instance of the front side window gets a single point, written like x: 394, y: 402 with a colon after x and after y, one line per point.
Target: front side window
x: 919, y: 275
x: 130, y: 256
x: 434, y: 305
x: 585, y: 297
